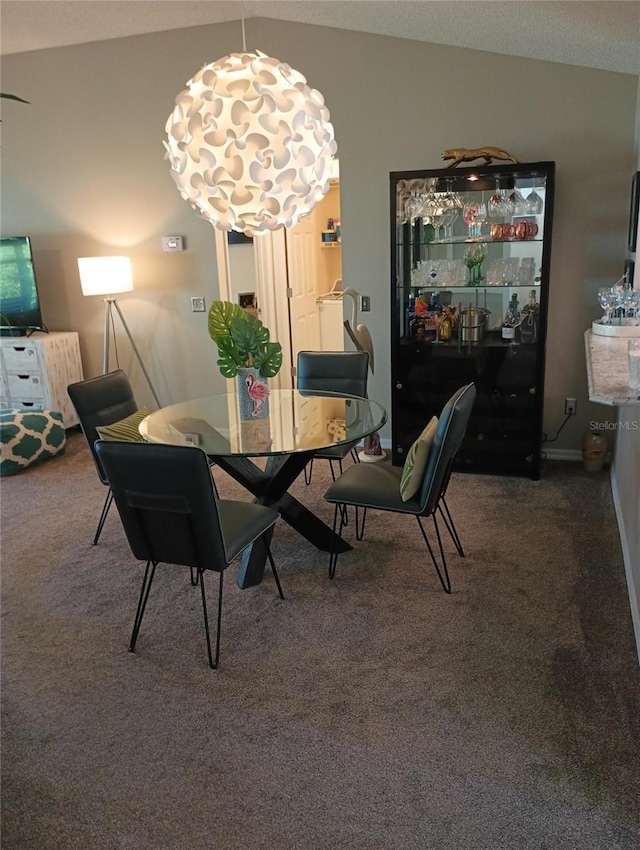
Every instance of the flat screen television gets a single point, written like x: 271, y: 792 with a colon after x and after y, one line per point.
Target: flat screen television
x: 19, y: 301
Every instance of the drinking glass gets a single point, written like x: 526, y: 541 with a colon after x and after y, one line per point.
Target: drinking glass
x: 475, y: 214
x: 497, y: 206
x: 473, y: 257
x: 606, y: 299
x: 516, y: 202
x: 469, y: 212
x: 533, y: 204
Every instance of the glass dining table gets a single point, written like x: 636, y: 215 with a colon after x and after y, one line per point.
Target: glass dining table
x: 297, y: 425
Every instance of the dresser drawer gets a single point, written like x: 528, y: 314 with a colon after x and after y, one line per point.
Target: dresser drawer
x: 25, y: 387
x: 20, y: 358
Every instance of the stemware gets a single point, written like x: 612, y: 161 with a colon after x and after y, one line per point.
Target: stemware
x: 473, y: 258
x: 497, y: 205
x: 517, y: 202
x: 533, y: 204
x: 607, y: 300
x: 475, y: 214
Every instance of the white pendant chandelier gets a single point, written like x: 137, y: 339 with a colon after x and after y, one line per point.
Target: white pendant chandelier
x: 250, y: 144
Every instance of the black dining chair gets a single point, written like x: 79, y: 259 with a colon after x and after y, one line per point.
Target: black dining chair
x: 171, y: 513
x: 98, y: 402
x: 378, y: 485
x: 343, y: 372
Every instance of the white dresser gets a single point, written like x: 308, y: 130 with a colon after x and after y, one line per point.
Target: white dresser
x: 35, y: 372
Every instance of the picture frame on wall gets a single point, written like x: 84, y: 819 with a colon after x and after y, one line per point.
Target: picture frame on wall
x: 633, y: 212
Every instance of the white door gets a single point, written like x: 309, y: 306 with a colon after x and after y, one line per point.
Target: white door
x: 302, y: 269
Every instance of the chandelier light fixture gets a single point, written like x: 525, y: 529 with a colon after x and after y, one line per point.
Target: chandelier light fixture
x: 250, y: 144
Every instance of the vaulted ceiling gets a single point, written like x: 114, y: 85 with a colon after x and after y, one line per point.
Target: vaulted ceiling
x: 601, y: 34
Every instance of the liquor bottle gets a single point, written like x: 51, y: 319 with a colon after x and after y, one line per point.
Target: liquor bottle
x: 530, y: 318
x: 511, y: 320
x: 409, y: 314
x: 434, y: 303
x: 445, y: 328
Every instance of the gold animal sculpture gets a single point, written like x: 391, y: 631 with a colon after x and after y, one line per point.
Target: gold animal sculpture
x: 459, y: 155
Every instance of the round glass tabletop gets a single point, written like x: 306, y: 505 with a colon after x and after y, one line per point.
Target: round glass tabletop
x: 296, y: 421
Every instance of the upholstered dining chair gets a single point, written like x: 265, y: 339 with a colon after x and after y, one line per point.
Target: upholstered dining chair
x: 171, y: 513
x: 417, y: 489
x: 103, y: 402
x: 342, y: 372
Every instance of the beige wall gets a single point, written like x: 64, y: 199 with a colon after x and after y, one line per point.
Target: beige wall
x: 83, y: 173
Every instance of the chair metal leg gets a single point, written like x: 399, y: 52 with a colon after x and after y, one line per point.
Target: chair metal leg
x: 443, y: 575
x: 103, y: 516
x: 275, y: 574
x: 142, y: 602
x: 308, y: 472
x: 360, y: 529
x: 448, y: 521
x: 333, y: 472
x: 333, y: 551
x: 355, y: 456
x: 212, y: 663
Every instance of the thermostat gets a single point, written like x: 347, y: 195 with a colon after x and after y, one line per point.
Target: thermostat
x: 172, y: 243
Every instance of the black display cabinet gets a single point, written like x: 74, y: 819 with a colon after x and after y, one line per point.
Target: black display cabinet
x: 470, y: 255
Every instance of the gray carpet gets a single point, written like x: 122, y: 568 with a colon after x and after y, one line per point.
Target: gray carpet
x: 373, y: 711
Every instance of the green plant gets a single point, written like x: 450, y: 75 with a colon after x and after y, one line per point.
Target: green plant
x: 242, y: 340
x: 13, y: 97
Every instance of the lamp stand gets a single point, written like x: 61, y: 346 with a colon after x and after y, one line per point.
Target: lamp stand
x: 108, y: 324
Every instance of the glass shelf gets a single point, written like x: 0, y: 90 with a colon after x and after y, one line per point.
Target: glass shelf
x: 461, y: 241
x: 465, y: 287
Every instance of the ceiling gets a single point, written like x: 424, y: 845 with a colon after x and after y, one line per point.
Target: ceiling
x: 601, y: 34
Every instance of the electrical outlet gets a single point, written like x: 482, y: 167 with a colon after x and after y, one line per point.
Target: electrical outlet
x: 197, y: 304
x: 365, y: 304
x: 570, y: 407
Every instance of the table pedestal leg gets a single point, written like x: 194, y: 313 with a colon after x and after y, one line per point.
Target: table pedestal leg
x: 270, y: 488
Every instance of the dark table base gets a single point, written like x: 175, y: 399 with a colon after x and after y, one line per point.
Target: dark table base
x: 269, y: 486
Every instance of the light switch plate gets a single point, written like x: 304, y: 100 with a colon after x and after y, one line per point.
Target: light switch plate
x: 365, y: 304
x: 172, y: 243
x: 197, y: 304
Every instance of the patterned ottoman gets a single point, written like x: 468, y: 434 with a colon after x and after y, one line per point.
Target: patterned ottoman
x: 27, y: 437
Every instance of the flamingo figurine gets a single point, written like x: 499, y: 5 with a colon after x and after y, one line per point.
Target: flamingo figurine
x: 358, y: 334
x: 258, y: 392
x: 361, y: 338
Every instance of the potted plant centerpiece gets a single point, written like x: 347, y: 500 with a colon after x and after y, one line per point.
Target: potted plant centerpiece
x: 245, y: 351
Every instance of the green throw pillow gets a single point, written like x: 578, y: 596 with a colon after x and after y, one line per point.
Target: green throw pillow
x: 126, y: 430
x: 416, y: 462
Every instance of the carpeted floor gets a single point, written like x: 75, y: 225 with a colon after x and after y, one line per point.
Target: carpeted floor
x: 371, y: 712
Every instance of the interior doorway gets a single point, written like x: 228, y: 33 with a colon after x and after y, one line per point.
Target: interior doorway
x: 296, y: 274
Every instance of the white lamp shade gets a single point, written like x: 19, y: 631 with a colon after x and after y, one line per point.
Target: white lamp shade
x: 250, y: 144
x: 105, y: 275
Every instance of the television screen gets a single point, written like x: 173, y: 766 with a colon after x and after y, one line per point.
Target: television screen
x: 19, y: 302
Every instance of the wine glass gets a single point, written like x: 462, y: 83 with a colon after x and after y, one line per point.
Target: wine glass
x: 533, y: 204
x: 607, y: 300
x: 497, y: 202
x: 474, y: 214
x: 415, y: 206
x: 481, y: 217
x: 473, y: 257
x: 517, y: 202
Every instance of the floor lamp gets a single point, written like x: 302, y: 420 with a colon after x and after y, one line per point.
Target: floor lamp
x: 108, y: 276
